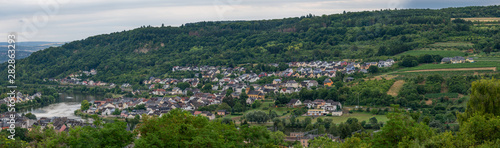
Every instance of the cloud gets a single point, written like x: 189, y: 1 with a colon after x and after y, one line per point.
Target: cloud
x: 69, y: 20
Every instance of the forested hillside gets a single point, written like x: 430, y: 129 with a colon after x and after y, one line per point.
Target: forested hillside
x: 131, y: 56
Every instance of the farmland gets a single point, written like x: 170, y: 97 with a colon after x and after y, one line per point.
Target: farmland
x: 456, y: 69
x: 444, y: 53
x: 451, y: 44
x: 439, y: 95
x: 448, y: 66
x: 393, y: 91
x: 454, y: 73
x: 481, y: 19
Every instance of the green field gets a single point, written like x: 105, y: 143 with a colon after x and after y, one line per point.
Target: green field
x: 439, y: 95
x: 454, y: 73
x: 444, y: 53
x: 488, y: 59
x: 451, y: 44
x: 459, y: 65
x: 358, y: 115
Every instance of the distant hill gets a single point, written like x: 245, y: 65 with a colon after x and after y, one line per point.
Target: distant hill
x: 131, y: 56
x: 24, y: 49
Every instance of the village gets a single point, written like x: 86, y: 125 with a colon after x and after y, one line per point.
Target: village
x: 169, y: 96
x: 191, y: 98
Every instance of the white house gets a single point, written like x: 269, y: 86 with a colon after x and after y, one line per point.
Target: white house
x: 294, y: 102
x: 316, y: 112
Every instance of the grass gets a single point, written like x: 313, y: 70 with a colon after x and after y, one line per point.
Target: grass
x: 394, y: 90
x: 459, y: 65
x: 488, y: 59
x: 118, y: 95
x: 439, y: 95
x: 444, y: 53
x: 269, y: 105
x: 455, y: 73
x: 359, y: 115
x: 481, y: 19
x: 451, y: 44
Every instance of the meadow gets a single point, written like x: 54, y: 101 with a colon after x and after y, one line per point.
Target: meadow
x: 439, y: 95
x: 481, y: 19
x: 444, y: 53
x: 477, y: 64
x: 444, y: 74
x: 451, y: 44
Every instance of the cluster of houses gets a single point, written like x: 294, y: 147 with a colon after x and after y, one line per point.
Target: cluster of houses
x: 21, y: 98
x: 457, y: 59
x: 226, y: 78
x: 325, y: 68
x: 58, y: 123
x: 313, y: 69
x: 80, y: 73
x: 87, y: 82
x: 153, y: 106
x: 319, y: 107
x: 305, y: 69
x: 75, y: 78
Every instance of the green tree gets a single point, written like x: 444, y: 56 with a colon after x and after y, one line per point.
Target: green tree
x: 189, y: 93
x: 256, y: 104
x: 224, y: 106
x: 181, y: 129
x: 257, y: 116
x: 484, y: 99
x: 243, y: 95
x: 116, y: 112
x: 183, y: 85
x: 373, y: 120
x: 400, y: 129
x: 207, y: 88
x: 238, y: 107
x: 3, y: 108
x: 373, y: 69
x: 85, y: 105
x: 322, y: 142
x: 30, y: 116
x: 277, y: 137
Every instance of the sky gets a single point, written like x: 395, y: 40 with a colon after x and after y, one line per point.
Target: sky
x: 69, y: 20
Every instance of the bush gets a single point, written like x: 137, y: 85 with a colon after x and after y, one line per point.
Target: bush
x: 236, y: 114
x: 265, y: 108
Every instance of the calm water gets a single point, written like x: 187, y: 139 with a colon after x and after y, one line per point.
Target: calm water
x: 65, y: 107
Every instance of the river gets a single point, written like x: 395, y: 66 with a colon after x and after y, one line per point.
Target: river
x: 66, y: 105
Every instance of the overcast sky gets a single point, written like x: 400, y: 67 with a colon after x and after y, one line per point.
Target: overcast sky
x: 68, y: 20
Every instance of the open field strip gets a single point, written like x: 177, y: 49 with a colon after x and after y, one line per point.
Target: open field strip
x: 444, y: 53
x: 393, y: 91
x: 451, y: 44
x: 481, y: 19
x: 455, y: 69
x: 479, y: 64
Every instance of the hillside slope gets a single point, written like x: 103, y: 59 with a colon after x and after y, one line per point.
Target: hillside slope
x: 131, y: 56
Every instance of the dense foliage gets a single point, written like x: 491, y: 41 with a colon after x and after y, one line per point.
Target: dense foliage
x: 132, y: 56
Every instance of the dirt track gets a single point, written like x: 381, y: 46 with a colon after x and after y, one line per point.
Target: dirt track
x: 455, y: 69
